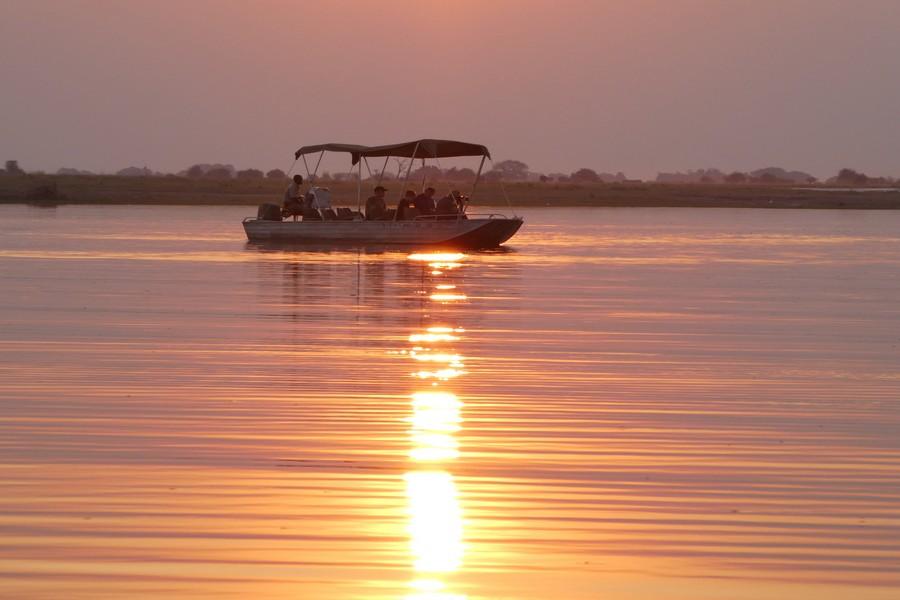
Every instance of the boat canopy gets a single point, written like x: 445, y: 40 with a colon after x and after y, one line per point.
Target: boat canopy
x: 426, y: 149
x: 353, y: 149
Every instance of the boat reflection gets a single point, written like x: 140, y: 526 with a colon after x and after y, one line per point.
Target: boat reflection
x: 436, y: 524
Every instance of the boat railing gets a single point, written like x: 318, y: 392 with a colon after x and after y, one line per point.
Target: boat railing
x: 416, y: 218
x: 459, y: 217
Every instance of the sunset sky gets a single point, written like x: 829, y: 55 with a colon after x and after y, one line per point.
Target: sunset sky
x: 634, y: 85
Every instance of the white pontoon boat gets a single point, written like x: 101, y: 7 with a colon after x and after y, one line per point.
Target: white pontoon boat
x: 329, y: 227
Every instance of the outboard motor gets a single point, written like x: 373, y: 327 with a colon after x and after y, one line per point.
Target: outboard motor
x: 268, y: 212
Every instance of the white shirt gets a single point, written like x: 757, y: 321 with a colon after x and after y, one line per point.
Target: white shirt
x: 292, y: 192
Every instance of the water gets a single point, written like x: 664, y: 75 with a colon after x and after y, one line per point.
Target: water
x: 628, y: 403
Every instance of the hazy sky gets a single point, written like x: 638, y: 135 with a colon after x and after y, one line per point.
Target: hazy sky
x: 634, y: 85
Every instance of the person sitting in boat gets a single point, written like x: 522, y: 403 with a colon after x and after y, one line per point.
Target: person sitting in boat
x: 450, y: 205
x: 425, y: 202
x: 405, y: 204
x: 293, y: 198
x: 376, y: 208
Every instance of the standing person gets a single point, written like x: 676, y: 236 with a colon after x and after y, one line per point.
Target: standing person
x: 293, y: 198
x: 375, y: 205
x: 405, y: 203
x: 425, y: 202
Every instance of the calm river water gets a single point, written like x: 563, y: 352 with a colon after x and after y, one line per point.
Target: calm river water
x: 625, y: 404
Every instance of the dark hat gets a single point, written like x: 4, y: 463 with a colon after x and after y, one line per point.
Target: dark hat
x: 380, y: 188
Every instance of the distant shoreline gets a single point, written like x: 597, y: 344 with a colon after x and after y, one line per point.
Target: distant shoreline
x: 115, y: 190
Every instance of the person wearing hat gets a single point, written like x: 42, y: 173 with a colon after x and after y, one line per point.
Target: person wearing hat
x: 375, y: 205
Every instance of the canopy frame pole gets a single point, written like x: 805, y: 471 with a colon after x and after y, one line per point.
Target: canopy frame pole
x: 305, y: 164
x: 462, y: 209
x: 381, y: 175
x: 368, y: 168
x: 359, y: 187
x: 424, y: 175
x: 315, y: 172
x: 505, y: 195
x: 477, y: 176
x: 406, y: 179
x: 288, y: 174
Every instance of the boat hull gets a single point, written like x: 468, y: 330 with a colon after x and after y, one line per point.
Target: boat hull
x: 457, y: 233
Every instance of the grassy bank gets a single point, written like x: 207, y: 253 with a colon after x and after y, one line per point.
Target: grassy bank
x: 104, y: 189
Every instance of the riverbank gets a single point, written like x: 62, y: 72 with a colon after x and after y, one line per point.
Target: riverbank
x: 107, y: 189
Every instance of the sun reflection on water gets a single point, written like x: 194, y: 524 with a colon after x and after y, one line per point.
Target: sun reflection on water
x: 436, y: 526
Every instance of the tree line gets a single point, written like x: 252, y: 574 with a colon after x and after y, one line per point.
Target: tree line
x: 506, y: 170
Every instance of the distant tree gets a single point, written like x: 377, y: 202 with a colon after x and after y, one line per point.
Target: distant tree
x: 544, y: 179
x: 135, y: 172
x: 218, y: 173
x: 511, y: 170
x: 428, y: 172
x: 781, y: 175
x: 736, y: 177
x: 71, y: 171
x: 13, y: 168
x: 464, y: 174
x: 250, y: 174
x: 195, y: 172
x: 276, y: 174
x: 767, y: 178
x: 844, y: 176
x: 585, y: 176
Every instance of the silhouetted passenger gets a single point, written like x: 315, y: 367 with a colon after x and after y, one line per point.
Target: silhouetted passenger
x: 449, y: 205
x: 425, y: 202
x: 375, y: 206
x: 405, y: 204
x: 293, y: 198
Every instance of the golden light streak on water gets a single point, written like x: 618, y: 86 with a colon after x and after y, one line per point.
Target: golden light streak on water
x: 447, y: 297
x: 453, y: 360
x: 436, y: 411
x: 435, y: 515
x: 435, y: 522
x: 431, y: 589
x: 442, y: 374
x: 436, y: 417
x: 432, y: 337
x: 433, y: 257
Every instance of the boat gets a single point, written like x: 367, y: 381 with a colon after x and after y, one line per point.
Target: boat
x: 326, y: 226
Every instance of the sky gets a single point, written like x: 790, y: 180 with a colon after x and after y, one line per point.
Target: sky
x: 639, y: 86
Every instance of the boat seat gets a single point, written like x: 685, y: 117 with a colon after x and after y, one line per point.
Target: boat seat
x: 345, y: 214
x: 329, y: 215
x: 311, y: 214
